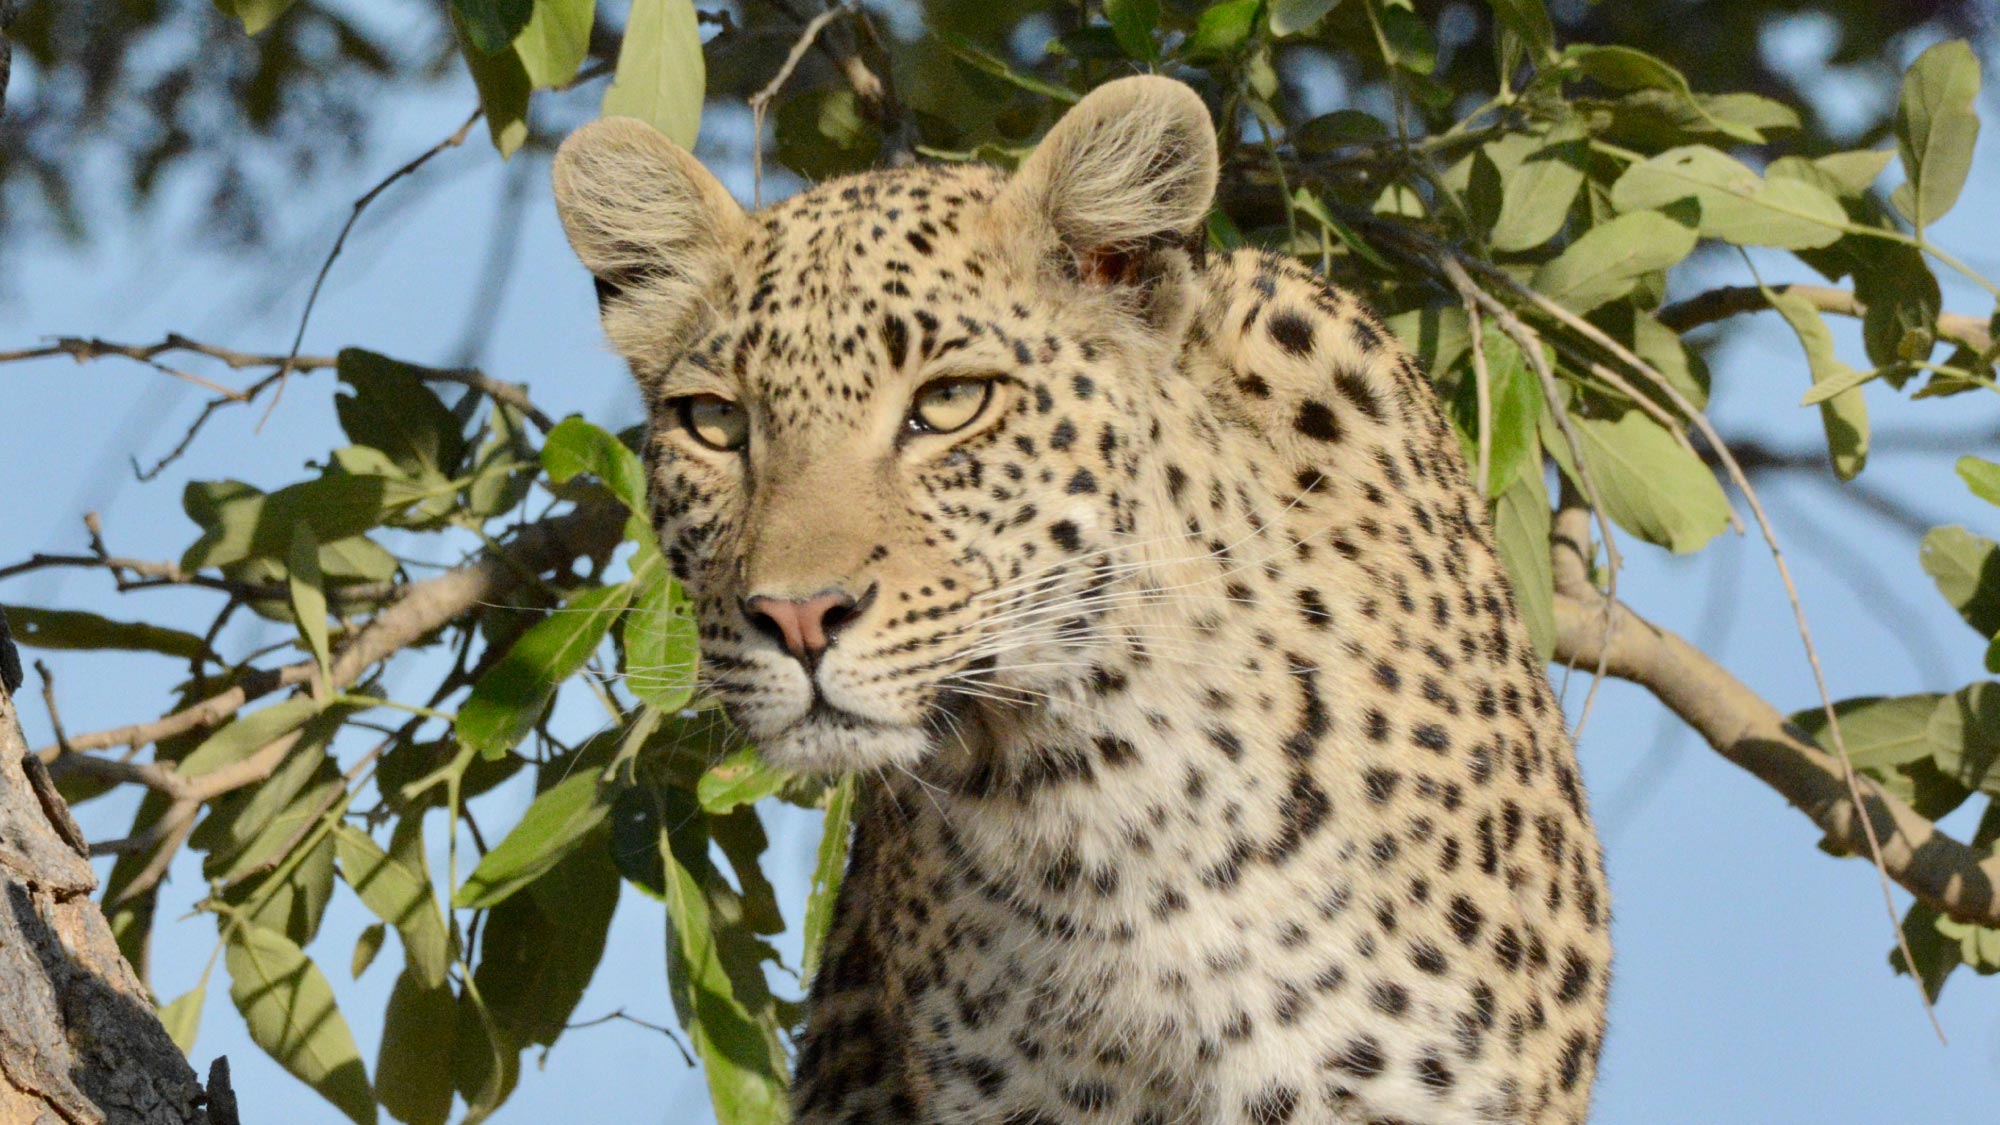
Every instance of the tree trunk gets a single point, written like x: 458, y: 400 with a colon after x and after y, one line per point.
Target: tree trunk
x: 79, y: 1042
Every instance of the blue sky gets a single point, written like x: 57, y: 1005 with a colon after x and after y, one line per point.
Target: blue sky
x: 1751, y: 977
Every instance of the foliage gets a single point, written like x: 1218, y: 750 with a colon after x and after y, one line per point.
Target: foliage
x: 1549, y: 153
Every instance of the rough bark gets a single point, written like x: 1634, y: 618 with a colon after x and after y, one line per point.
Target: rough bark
x: 79, y: 1041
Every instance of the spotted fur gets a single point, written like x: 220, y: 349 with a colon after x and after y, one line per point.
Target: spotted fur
x: 1209, y: 775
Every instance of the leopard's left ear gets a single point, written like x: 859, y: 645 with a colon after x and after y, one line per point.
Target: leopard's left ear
x: 1129, y: 169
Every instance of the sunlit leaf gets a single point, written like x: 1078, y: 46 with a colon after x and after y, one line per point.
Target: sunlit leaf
x: 1627, y: 68
x: 1966, y: 568
x: 1936, y: 128
x: 1610, y: 258
x: 1651, y: 485
x: 75, y: 629
x: 552, y: 827
x: 413, y: 1067
x: 289, y: 1009
x: 1521, y: 532
x: 1540, y: 177
x: 1880, y: 732
x: 255, y: 14
x: 182, y: 1017
x: 555, y: 40
x: 1965, y: 735
x: 1289, y: 17
x: 1979, y: 474
x: 1844, y: 414
x: 742, y: 778
x: 401, y: 896
x: 827, y: 871
x: 662, y: 643
x: 308, y: 588
x: 508, y: 700
x: 1222, y: 28
x: 367, y: 946
x: 1737, y: 205
x: 661, y: 78
x: 575, y: 446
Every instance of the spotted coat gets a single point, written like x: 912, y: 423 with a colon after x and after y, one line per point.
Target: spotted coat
x: 1208, y: 774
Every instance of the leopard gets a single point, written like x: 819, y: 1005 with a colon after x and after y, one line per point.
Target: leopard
x: 1206, y: 771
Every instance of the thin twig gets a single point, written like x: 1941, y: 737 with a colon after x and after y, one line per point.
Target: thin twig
x: 1732, y: 300
x: 621, y: 1014
x: 1742, y: 480
x: 1482, y: 385
x: 1531, y: 349
x: 361, y: 204
x: 761, y: 100
x: 49, y: 701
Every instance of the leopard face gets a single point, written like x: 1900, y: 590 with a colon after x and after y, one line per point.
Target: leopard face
x: 895, y: 423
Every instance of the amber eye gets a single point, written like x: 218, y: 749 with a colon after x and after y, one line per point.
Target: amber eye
x: 715, y: 421
x: 949, y: 404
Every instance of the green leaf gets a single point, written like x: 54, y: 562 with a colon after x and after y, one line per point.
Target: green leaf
x: 1965, y: 736
x: 1540, y: 177
x: 1410, y: 44
x: 1289, y: 17
x: 1844, y: 414
x: 75, y: 629
x: 746, y: 1082
x: 288, y: 1007
x: 538, y: 950
x: 255, y: 14
x: 555, y: 40
x: 240, y: 522
x: 1966, y: 568
x: 575, y: 446
x: 247, y: 734
x: 493, y: 24
x: 1936, y: 956
x: 1521, y: 532
x: 1611, y: 257
x: 1737, y: 205
x: 367, y: 946
x: 662, y: 642
x: 1651, y: 485
x: 834, y: 839
x: 1979, y: 474
x: 484, y: 1067
x: 502, y: 82
x: 661, y: 77
x: 392, y: 409
x: 1936, y: 128
x: 1516, y: 401
x: 1133, y: 21
x: 1625, y: 68
x: 986, y: 62
x: 1222, y: 29
x: 1880, y: 732
x: 509, y: 699
x: 1855, y: 171
x: 553, y: 826
x: 182, y: 1018
x: 1330, y: 131
x: 308, y: 589
x: 400, y: 895
x: 413, y: 1067
x: 1530, y: 20
x: 743, y: 778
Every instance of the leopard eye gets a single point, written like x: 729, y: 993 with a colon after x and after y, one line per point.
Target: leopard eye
x: 949, y: 404
x: 716, y: 422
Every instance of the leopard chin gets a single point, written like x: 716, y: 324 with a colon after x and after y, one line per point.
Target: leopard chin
x: 827, y: 740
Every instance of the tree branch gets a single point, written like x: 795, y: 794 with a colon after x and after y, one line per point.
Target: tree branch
x: 1732, y: 300
x: 1939, y: 870
x: 424, y: 607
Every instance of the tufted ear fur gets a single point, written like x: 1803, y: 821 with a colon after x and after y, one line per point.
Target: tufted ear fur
x: 650, y: 223
x: 1128, y: 172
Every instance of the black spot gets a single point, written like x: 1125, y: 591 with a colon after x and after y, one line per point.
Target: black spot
x: 1316, y: 421
x: 1465, y: 919
x: 1089, y: 1096
x: 922, y: 244
x: 1435, y: 1076
x: 1314, y: 608
x: 1063, y: 436
x: 1084, y: 386
x: 1355, y: 389
x: 1575, y: 978
x: 896, y: 340
x: 1292, y: 332
x: 1381, y: 784
x: 1574, y: 1050
x: 1361, y: 1058
x: 1272, y: 1107
x: 1427, y: 958
x: 1082, y: 483
x: 1431, y: 736
x: 1065, y: 535
x: 1227, y: 742
x: 1389, y: 999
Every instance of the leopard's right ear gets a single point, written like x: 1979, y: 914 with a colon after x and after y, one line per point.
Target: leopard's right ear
x: 651, y: 224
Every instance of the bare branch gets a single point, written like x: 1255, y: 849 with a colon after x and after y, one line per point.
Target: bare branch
x: 1732, y: 300
x: 425, y: 606
x: 1940, y: 871
x: 761, y: 100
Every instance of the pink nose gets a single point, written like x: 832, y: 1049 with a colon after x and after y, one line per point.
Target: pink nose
x: 805, y: 626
